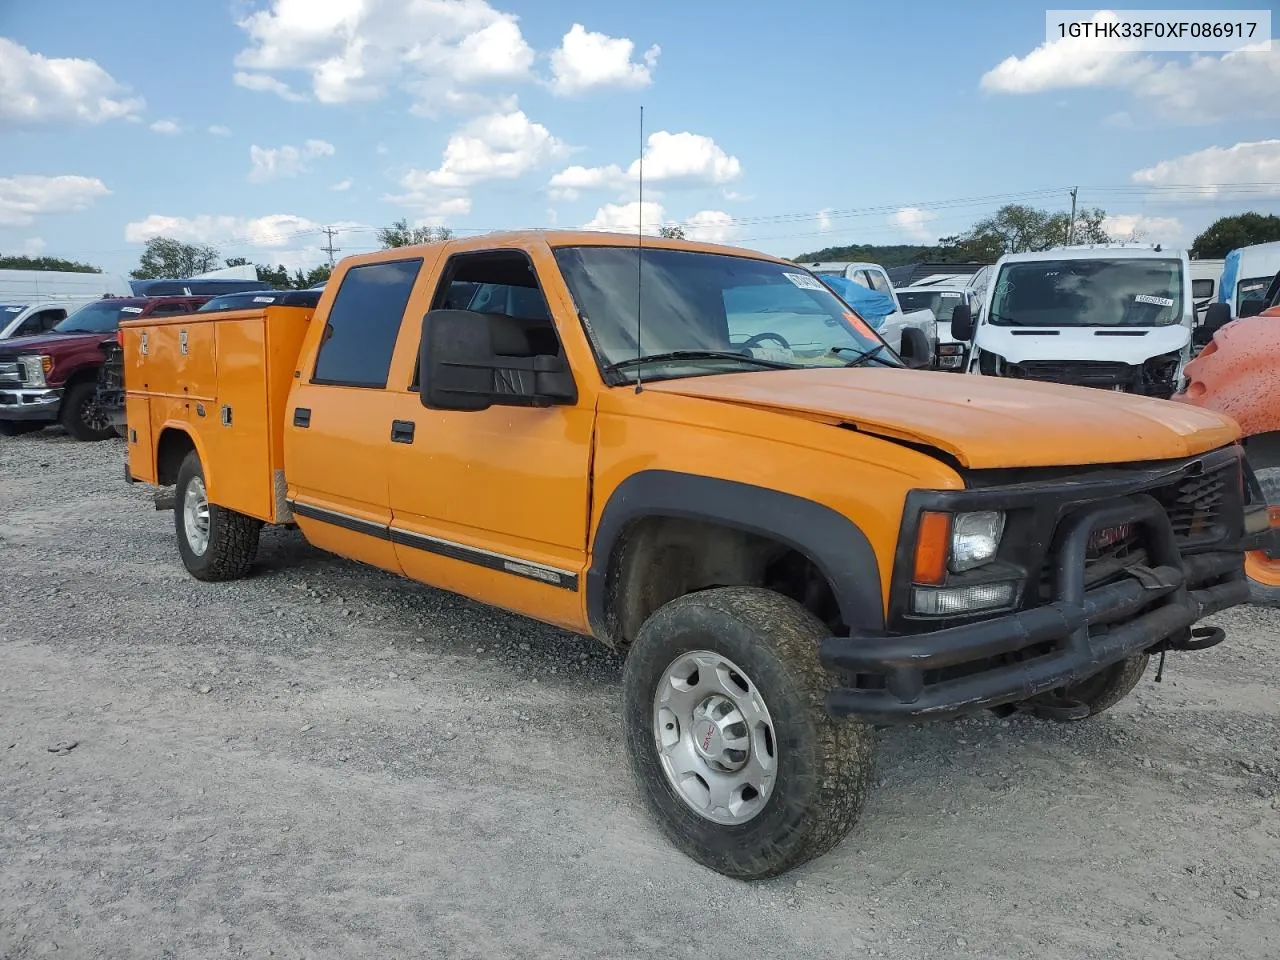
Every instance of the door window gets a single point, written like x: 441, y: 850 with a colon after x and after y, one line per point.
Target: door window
x: 364, y: 322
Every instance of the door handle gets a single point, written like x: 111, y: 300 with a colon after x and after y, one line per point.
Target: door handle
x: 301, y: 417
x: 402, y: 431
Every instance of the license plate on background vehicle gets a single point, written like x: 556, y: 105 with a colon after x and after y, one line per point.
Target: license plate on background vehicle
x: 1105, y: 537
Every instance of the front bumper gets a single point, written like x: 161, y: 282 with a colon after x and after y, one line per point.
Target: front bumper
x: 30, y: 404
x: 1017, y: 656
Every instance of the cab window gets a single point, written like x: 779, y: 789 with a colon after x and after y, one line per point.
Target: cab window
x: 363, y: 323
x: 41, y: 322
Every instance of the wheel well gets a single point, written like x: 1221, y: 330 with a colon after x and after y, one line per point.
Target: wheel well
x: 87, y: 374
x: 171, y: 450
x: 1263, y: 449
x: 657, y: 559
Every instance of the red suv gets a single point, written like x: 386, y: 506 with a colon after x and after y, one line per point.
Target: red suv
x: 52, y: 377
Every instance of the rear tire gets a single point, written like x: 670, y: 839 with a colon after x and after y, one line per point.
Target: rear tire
x: 82, y: 416
x: 215, y: 543
x: 786, y: 780
x: 1261, y: 592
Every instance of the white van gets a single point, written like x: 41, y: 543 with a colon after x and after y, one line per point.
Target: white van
x: 1118, y: 317
x: 1246, y: 274
x: 1205, y: 277
x: 873, y: 277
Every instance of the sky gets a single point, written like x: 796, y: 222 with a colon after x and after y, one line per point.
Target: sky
x: 252, y: 125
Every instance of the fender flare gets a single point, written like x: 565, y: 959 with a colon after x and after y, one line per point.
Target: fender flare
x: 835, y: 544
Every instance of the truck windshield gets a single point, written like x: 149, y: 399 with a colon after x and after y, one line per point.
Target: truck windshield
x: 100, y: 317
x: 698, y: 310
x: 1107, y: 292
x: 942, y: 302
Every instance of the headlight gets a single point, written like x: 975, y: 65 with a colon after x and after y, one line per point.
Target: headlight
x: 975, y: 538
x: 35, y: 367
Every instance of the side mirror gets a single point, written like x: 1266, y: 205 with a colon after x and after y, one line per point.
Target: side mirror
x: 1252, y: 307
x: 915, y: 350
x: 1217, y: 316
x: 472, y: 361
x: 962, y: 323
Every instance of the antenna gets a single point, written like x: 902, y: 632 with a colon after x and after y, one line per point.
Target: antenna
x: 640, y: 250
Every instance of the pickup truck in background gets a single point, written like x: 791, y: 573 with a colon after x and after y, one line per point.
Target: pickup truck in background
x: 53, y: 377
x: 698, y: 455
x: 35, y: 317
x: 891, y: 325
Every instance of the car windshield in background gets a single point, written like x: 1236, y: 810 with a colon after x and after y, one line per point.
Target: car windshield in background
x: 942, y: 303
x: 12, y: 307
x: 716, y: 313
x: 239, y: 301
x: 1120, y: 292
x: 101, y: 317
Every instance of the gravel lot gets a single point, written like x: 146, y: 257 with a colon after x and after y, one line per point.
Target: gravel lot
x: 325, y: 761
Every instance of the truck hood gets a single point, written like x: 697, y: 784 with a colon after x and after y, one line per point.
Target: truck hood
x: 983, y: 422
x: 48, y: 342
x: 1132, y: 345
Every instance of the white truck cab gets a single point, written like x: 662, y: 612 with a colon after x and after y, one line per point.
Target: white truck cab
x: 941, y: 294
x: 1119, y: 317
x: 35, y: 317
x: 873, y: 277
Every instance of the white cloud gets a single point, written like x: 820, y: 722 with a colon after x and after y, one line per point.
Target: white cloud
x: 342, y: 185
x: 353, y: 50
x: 278, y: 238
x: 711, y: 226
x: 33, y: 246
x: 670, y: 159
x: 626, y: 217
x: 262, y: 83
x: 270, y: 163
x: 913, y: 222
x: 494, y: 147
x: 1254, y: 163
x: 1200, y: 89
x: 25, y: 197
x: 168, y: 127
x: 36, y: 90
x: 586, y: 60
x: 218, y: 130
x: 1137, y: 226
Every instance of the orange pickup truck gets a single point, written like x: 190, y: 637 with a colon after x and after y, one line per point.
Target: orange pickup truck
x: 703, y: 457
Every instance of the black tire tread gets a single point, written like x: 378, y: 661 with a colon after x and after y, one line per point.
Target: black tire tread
x: 233, y: 537
x: 844, y: 748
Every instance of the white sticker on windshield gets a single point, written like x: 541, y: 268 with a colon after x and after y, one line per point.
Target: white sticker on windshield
x: 1158, y: 301
x: 804, y: 281
x: 264, y: 299
x: 13, y: 309
x: 130, y: 309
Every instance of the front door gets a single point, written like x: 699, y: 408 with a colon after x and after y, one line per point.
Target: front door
x: 337, y: 430
x: 494, y: 503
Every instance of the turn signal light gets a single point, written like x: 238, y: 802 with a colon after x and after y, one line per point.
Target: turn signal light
x: 933, y: 540
x: 46, y: 364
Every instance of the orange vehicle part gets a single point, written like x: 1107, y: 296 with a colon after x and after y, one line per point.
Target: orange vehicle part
x: 1238, y: 374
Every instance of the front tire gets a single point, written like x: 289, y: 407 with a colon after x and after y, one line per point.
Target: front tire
x: 728, y: 734
x: 82, y: 416
x: 215, y: 543
x: 1262, y: 571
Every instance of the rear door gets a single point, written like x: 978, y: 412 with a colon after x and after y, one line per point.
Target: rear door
x: 338, y: 421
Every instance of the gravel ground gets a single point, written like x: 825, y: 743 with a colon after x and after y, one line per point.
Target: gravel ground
x: 326, y: 761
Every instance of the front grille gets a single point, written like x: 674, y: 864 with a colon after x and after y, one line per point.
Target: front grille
x: 1082, y: 373
x: 11, y: 373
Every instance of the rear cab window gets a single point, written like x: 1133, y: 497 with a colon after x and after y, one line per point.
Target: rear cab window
x: 364, y: 322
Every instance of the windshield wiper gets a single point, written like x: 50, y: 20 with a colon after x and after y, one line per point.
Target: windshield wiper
x: 698, y: 355
x: 862, y: 355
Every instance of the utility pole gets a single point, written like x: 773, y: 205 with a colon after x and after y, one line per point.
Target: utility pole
x: 330, y: 232
x: 1071, y: 228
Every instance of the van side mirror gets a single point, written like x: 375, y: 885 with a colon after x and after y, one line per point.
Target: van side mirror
x: 1216, y: 316
x: 1252, y: 307
x: 472, y: 361
x: 915, y: 349
x: 962, y: 323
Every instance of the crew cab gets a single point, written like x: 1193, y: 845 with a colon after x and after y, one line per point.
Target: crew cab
x: 53, y: 377
x: 35, y: 317
x: 789, y: 536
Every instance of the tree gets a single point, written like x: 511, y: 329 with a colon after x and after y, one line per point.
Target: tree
x: 1017, y: 228
x: 19, y: 262
x: 237, y: 261
x: 672, y: 232
x: 1229, y: 233
x: 169, y: 258
x: 400, y: 234
x: 279, y: 278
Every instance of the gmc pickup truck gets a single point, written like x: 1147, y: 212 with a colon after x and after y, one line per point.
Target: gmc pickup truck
x: 53, y: 377
x: 790, y: 537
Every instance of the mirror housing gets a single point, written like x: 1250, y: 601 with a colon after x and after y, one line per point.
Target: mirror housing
x: 1216, y: 316
x: 1252, y: 307
x: 472, y: 361
x: 915, y: 350
x: 962, y: 323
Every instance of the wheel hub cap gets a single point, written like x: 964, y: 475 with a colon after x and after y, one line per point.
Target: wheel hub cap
x: 715, y: 737
x: 195, y: 516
